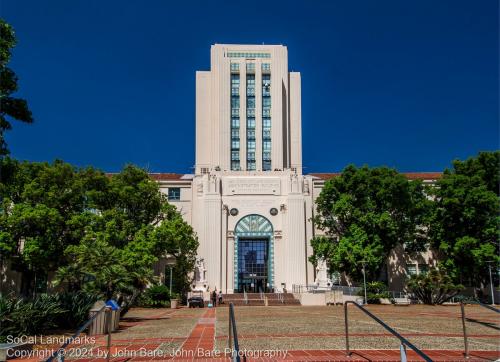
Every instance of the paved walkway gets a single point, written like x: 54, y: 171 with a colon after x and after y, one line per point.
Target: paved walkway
x: 201, y: 334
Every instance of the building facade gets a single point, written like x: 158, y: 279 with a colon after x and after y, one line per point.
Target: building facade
x: 248, y: 200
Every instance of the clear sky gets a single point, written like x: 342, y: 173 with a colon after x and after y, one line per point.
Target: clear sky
x: 408, y: 84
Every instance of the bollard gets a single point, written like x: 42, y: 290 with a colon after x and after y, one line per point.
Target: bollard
x: 109, y: 324
x: 466, y: 342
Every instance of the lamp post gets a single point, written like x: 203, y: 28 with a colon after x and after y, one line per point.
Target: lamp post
x: 171, y: 260
x: 363, y: 262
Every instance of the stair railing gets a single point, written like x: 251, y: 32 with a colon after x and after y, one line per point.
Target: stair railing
x: 281, y: 298
x: 59, y: 355
x: 233, y: 336
x: 403, y: 341
x: 462, y: 309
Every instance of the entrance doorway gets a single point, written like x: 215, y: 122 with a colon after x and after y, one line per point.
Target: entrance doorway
x: 253, y: 264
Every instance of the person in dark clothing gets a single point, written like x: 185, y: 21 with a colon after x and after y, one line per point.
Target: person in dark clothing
x: 214, y: 298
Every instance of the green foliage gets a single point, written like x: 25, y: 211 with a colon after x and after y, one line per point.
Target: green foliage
x: 77, y: 306
x: 10, y: 107
x: 28, y: 317
x: 465, y: 218
x: 374, y: 292
x: 20, y: 317
x: 155, y: 296
x: 101, y: 233
x: 434, y: 287
x: 365, y: 213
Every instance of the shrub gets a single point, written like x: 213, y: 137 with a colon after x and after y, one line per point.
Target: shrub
x: 77, y: 306
x: 374, y: 292
x: 45, y: 312
x: 434, y: 287
x: 155, y: 296
x: 27, y: 317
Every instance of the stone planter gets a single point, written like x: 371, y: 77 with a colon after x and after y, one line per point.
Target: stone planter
x: 174, y: 303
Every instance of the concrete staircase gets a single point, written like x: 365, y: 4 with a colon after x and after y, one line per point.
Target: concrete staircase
x: 254, y: 299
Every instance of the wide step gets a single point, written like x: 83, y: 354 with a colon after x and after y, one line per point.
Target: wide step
x: 254, y: 299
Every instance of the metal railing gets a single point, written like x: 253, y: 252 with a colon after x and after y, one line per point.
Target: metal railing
x: 61, y: 352
x: 233, y: 336
x: 346, y: 290
x: 403, y: 341
x: 281, y: 297
x: 462, y: 310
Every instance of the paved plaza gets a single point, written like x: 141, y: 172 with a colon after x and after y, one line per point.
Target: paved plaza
x: 297, y: 333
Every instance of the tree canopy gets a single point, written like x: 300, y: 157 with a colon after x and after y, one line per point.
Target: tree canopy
x: 10, y: 106
x: 99, y: 232
x: 365, y: 213
x: 465, y: 218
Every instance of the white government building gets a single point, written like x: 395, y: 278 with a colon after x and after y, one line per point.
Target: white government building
x: 248, y: 200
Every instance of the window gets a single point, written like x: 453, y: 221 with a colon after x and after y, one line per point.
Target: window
x: 251, y: 145
x: 251, y: 122
x: 235, y: 102
x: 266, y: 66
x: 235, y: 66
x: 266, y: 120
x: 235, y: 121
x: 251, y: 102
x: 411, y: 269
x: 251, y: 134
x: 250, y: 67
x: 174, y: 194
x: 248, y: 55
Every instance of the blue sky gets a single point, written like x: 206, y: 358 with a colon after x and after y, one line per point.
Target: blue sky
x: 408, y: 84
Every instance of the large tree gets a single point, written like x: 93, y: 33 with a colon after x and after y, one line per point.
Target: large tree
x: 100, y: 232
x: 10, y: 106
x: 465, y: 219
x: 365, y: 213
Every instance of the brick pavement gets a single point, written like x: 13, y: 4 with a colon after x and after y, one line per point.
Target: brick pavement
x: 190, y: 335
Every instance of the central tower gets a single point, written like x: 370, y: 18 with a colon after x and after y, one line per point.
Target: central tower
x: 248, y: 115
x: 250, y: 202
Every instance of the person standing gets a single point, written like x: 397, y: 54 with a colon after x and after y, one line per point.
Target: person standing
x: 214, y: 298
x: 220, y: 297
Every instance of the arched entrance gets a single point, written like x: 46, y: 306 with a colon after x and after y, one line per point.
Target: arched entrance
x: 253, y: 254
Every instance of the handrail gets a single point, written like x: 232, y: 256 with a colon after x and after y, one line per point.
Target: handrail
x: 403, y: 340
x: 462, y: 310
x: 233, y: 333
x: 281, y: 298
x: 59, y: 354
